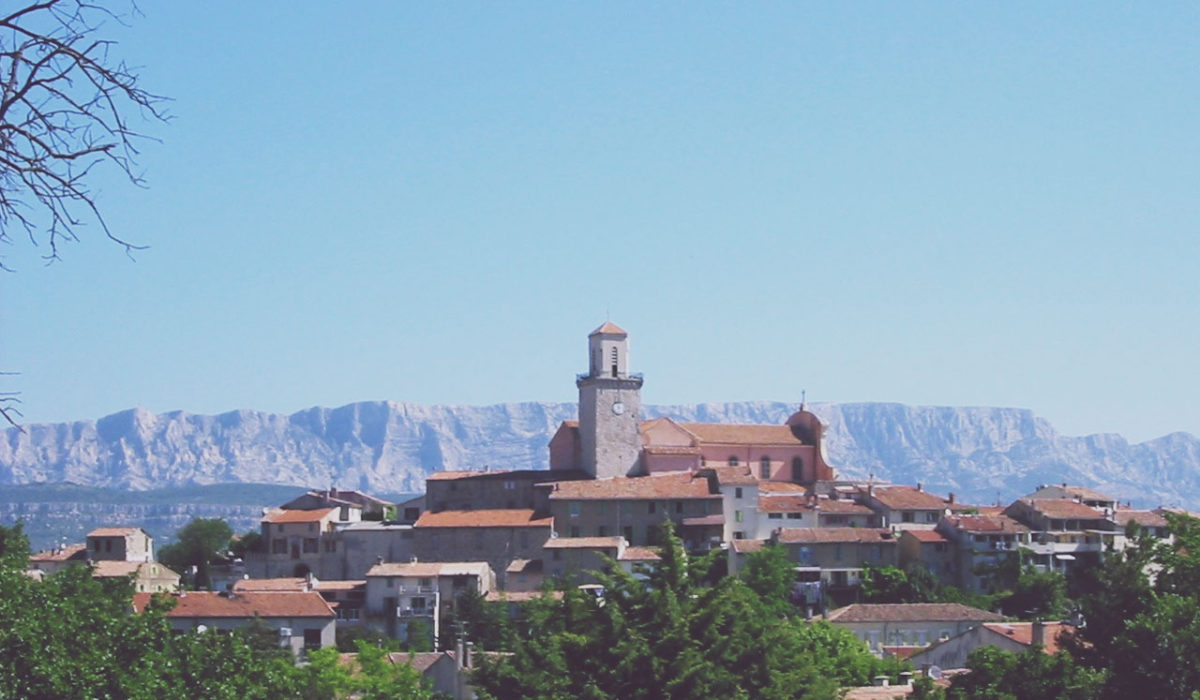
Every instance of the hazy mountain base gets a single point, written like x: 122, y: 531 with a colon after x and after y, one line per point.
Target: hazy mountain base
x: 981, y: 454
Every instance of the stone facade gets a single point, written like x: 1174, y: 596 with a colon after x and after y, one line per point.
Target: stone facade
x: 610, y: 407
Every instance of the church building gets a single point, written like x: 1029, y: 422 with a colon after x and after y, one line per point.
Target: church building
x: 610, y: 439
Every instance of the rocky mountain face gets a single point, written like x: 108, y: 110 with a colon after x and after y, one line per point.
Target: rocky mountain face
x: 983, y: 455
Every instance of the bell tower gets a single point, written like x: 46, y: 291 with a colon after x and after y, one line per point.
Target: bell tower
x: 610, y: 406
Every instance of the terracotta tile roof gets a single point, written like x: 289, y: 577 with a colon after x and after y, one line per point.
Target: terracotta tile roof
x: 732, y: 476
x: 704, y: 520
x: 454, y: 475
x: 499, y: 517
x: 119, y: 569
x: 671, y: 485
x: 639, y: 554
x: 270, y: 585
x: 115, y: 531
x: 670, y: 450
x: 609, y: 328
x: 1145, y: 518
x: 911, y: 612
x: 1022, y: 633
x: 583, y: 543
x: 924, y: 535
x: 246, y: 605
x: 789, y: 535
x: 68, y: 553
x: 732, y: 434
x: 524, y: 566
x: 798, y: 503
x: 339, y: 585
x: 1069, y: 492
x: 297, y: 516
x: 908, y: 498
x: 429, y: 569
x: 772, y: 487
x: 1062, y: 508
x: 746, y: 546
x: 991, y: 524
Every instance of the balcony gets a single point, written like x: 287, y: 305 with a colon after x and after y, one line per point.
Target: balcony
x: 414, y: 612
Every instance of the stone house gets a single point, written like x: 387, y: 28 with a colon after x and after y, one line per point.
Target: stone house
x: 908, y: 624
x: 303, y: 619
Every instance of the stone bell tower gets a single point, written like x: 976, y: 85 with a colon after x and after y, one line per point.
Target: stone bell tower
x: 610, y: 407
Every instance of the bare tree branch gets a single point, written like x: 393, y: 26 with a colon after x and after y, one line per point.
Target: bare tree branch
x: 65, y: 108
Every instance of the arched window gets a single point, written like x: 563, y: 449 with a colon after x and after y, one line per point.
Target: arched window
x: 733, y: 461
x: 797, y: 469
x: 764, y: 466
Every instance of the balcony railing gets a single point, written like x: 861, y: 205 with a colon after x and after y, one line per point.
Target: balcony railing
x: 414, y: 612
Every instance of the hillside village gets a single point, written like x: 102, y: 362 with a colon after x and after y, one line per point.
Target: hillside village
x: 335, y: 558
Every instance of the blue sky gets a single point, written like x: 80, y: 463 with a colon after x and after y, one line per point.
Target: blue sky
x: 937, y: 203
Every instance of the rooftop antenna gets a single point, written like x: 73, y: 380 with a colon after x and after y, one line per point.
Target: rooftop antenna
x: 803, y: 398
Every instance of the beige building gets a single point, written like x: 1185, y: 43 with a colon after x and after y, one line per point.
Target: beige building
x: 398, y: 593
x: 495, y: 536
x: 635, y: 507
x: 898, y: 625
x: 299, y: 542
x: 303, y: 619
x: 147, y: 577
x: 55, y: 560
x: 907, y: 508
x: 120, y: 544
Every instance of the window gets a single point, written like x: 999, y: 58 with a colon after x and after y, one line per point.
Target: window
x: 348, y: 613
x: 733, y: 460
x: 629, y: 534
x: 391, y: 582
x: 524, y: 539
x: 574, y: 531
x: 601, y: 508
x: 650, y: 507
x: 412, y: 513
x: 330, y: 546
x: 837, y: 553
x: 906, y: 517
x: 108, y: 545
x: 931, y: 516
x: 344, y: 513
x: 556, y: 555
x: 678, y: 506
x: 573, y: 508
x: 739, y: 535
x: 614, y: 361
x: 775, y: 516
x: 510, y: 485
x: 797, y: 469
x: 312, y: 527
x: 626, y: 508
x: 312, y: 639
x: 795, y: 516
x: 737, y: 492
x: 764, y: 466
x: 279, y: 546
x: 418, y: 603
x: 737, y: 516
x: 602, y: 531
x: 310, y: 545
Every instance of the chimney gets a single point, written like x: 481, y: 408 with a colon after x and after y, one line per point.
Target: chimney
x: 880, y: 681
x: 906, y: 678
x: 1039, y: 633
x: 458, y: 653
x: 469, y: 655
x: 379, y: 559
x: 952, y: 497
x: 920, y: 487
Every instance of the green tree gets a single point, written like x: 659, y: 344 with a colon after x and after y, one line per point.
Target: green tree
x: 1030, y: 675
x: 1036, y: 595
x: 199, y: 544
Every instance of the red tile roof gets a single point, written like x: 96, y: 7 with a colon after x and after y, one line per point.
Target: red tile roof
x: 115, y: 531
x: 1069, y: 492
x: 746, y: 546
x: 908, y: 498
x: 583, y: 543
x: 732, y: 476
x: 609, y: 328
x: 68, y: 553
x: 270, y: 585
x: 107, y: 568
x: 245, y: 605
x: 790, y: 535
x: 798, y: 503
x: 992, y: 524
x: 671, y: 485
x: 1145, y: 518
x: 770, y: 487
x: 1022, y: 633
x: 732, y: 434
x: 1061, y: 508
x: 500, y: 517
x: 429, y: 569
x: 498, y: 596
x: 640, y: 554
x: 462, y: 474
x: 704, y: 520
x: 297, y: 516
x: 911, y: 612
x: 924, y: 535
